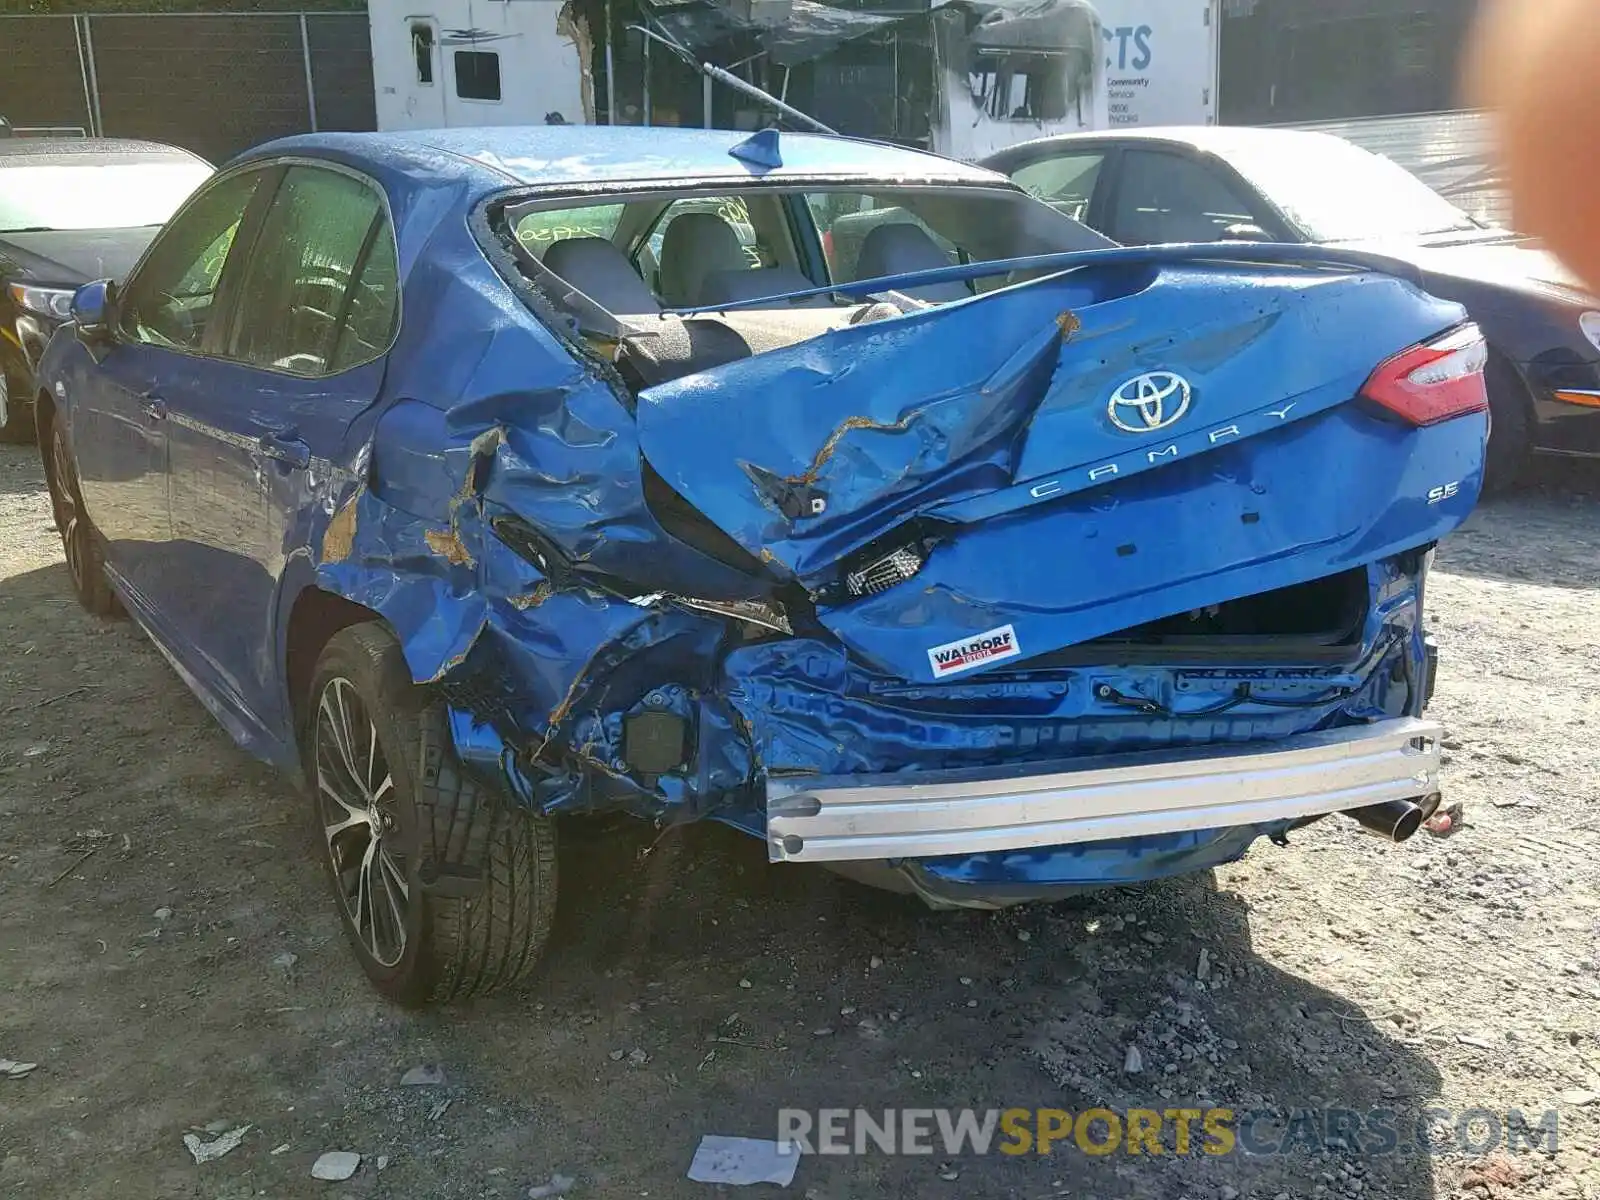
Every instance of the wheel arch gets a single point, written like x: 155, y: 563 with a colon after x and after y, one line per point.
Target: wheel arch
x: 1510, y: 441
x: 44, y: 419
x: 314, y: 615
x: 1502, y: 363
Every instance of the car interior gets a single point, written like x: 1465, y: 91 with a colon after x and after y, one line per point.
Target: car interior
x: 325, y: 300
x: 624, y: 272
x: 171, y: 306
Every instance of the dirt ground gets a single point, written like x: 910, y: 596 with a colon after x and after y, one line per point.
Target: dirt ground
x: 170, y: 957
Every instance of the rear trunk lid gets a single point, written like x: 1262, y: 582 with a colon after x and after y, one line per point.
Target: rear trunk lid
x: 986, y: 482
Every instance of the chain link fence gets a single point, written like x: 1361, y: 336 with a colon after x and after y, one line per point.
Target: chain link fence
x: 212, y: 83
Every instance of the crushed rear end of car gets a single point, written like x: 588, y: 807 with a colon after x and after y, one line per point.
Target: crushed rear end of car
x: 1091, y: 579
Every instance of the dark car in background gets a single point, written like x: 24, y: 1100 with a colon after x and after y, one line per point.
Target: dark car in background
x: 1223, y: 183
x: 72, y: 210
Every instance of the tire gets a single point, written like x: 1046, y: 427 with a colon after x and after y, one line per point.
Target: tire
x: 80, y: 540
x: 391, y: 806
x: 1509, y: 421
x: 16, y: 417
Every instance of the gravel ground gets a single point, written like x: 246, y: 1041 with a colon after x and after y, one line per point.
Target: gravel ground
x: 170, y: 959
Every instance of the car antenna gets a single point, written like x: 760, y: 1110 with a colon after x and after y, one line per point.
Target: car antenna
x: 738, y: 85
x: 760, y: 150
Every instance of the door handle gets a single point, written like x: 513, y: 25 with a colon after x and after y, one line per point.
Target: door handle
x: 153, y: 406
x: 285, y: 446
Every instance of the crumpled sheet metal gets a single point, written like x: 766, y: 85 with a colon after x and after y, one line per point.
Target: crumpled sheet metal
x: 544, y: 654
x: 415, y: 543
x: 533, y: 435
x: 442, y: 603
x: 434, y: 606
x: 1175, y: 539
x: 563, y: 674
x: 809, y: 708
x: 968, y: 408
x: 543, y: 677
x: 886, y: 410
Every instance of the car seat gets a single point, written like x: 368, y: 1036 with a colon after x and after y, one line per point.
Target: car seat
x: 601, y: 271
x: 695, y: 245
x: 899, y: 248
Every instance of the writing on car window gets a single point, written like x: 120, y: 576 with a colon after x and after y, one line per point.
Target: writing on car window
x: 732, y: 211
x: 538, y: 231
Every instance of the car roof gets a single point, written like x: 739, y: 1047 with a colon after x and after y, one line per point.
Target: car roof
x: 579, y: 155
x: 1221, y: 140
x: 34, y: 152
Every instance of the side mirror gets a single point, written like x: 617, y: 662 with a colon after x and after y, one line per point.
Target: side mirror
x: 94, y: 310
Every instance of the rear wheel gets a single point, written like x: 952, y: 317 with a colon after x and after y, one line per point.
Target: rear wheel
x: 80, y: 540
x: 398, y: 820
x: 1509, y: 421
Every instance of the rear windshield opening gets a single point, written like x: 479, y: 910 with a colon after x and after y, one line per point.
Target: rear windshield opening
x: 619, y: 267
x: 683, y: 249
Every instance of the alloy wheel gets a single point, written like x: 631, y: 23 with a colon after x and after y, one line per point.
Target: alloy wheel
x: 360, y: 817
x: 69, y: 514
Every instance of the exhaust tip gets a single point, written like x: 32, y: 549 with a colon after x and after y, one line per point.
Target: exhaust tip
x: 1395, y: 820
x: 1407, y: 825
x: 1430, y: 805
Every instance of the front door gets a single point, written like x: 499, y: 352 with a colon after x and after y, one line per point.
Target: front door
x: 119, y: 414
x: 313, y: 312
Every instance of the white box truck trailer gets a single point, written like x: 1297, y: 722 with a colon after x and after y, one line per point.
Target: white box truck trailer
x: 1161, y: 61
x: 1006, y: 70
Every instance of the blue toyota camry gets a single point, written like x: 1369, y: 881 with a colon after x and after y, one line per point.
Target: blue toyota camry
x: 839, y: 492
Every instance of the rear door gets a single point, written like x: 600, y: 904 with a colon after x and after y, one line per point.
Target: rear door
x: 313, y: 312
x: 119, y: 412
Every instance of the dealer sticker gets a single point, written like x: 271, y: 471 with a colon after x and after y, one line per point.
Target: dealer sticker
x: 971, y: 653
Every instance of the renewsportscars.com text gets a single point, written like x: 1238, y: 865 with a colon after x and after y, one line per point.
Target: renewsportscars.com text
x: 1162, y: 1131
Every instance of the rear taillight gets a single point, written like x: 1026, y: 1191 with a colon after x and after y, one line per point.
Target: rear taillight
x: 1434, y: 381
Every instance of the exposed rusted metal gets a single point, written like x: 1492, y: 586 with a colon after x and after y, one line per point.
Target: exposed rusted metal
x: 447, y: 544
x: 812, y: 472
x: 339, y: 538
x: 541, y: 592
